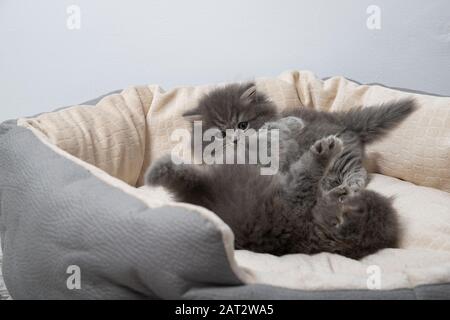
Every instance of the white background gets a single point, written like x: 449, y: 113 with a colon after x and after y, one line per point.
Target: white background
x: 44, y: 65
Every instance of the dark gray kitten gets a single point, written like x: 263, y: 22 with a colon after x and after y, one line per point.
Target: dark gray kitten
x: 287, y: 212
x: 241, y: 106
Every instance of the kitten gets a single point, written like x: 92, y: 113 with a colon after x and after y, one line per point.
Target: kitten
x: 241, y: 106
x: 286, y: 212
x: 364, y: 217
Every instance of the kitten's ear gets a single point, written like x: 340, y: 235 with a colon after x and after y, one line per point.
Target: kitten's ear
x: 193, y: 115
x: 249, y: 95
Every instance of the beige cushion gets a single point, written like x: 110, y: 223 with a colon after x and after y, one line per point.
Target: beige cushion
x: 102, y: 135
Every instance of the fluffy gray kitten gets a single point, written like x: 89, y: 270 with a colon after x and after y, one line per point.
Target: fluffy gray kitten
x: 316, y: 202
x: 287, y: 212
x: 241, y: 106
x: 235, y: 106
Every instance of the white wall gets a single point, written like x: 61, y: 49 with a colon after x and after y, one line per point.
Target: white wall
x: 44, y: 65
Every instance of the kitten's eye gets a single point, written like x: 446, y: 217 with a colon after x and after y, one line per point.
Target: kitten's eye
x: 242, y: 125
x: 341, y: 198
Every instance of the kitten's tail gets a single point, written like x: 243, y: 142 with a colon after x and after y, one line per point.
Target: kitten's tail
x: 372, y: 123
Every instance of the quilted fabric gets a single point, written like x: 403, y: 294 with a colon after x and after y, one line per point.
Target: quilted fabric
x: 102, y: 135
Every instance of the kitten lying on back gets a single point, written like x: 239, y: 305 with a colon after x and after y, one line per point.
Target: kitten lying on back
x: 241, y: 106
x: 287, y: 212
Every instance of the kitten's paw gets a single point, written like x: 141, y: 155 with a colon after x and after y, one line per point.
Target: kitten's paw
x: 293, y: 123
x: 159, y: 171
x: 272, y: 125
x: 327, y: 147
x: 285, y: 124
x: 356, y: 186
x: 341, y: 190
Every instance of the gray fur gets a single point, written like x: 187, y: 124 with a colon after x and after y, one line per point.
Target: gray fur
x: 234, y: 104
x: 287, y: 212
x: 316, y: 202
x: 225, y: 107
x: 356, y: 128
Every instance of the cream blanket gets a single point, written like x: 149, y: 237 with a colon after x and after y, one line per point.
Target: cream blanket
x: 124, y: 133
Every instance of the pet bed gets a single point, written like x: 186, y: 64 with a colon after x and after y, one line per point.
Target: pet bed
x: 71, y: 195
